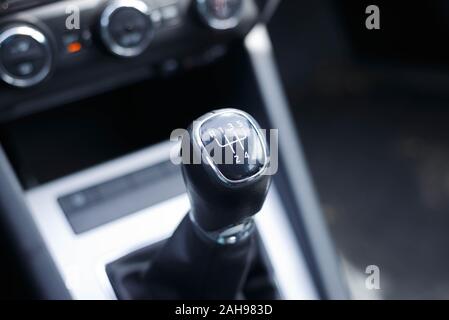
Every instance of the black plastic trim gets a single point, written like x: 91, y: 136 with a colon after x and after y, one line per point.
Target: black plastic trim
x: 23, y: 232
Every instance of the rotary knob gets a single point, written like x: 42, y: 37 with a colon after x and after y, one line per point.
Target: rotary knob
x: 126, y: 27
x: 25, y: 55
x: 220, y: 14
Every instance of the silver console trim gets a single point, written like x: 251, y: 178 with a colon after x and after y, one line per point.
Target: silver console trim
x: 260, y: 51
x: 81, y: 259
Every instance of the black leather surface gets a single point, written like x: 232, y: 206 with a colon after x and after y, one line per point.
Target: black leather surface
x: 189, y: 267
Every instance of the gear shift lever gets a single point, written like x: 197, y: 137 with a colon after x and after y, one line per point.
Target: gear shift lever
x: 214, y: 249
x: 229, y: 186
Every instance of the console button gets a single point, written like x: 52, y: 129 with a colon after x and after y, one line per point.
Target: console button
x: 25, y: 56
x: 22, y: 56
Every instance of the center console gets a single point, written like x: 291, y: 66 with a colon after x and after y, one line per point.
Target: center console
x: 86, y: 116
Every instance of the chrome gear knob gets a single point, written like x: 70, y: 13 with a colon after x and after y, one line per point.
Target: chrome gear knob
x: 225, y: 171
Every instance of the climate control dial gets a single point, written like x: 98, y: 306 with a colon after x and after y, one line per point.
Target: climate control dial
x: 126, y: 27
x: 25, y: 55
x: 220, y: 14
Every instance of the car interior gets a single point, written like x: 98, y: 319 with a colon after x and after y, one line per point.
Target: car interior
x: 342, y: 176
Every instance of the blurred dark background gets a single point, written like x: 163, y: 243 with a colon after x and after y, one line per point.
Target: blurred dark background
x: 372, y: 111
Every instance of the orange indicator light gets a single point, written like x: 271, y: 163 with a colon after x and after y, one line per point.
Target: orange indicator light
x: 74, y: 47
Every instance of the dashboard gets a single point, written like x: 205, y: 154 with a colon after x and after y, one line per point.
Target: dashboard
x: 55, y: 48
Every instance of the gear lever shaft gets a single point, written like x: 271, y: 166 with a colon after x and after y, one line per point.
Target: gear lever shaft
x: 224, y: 167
